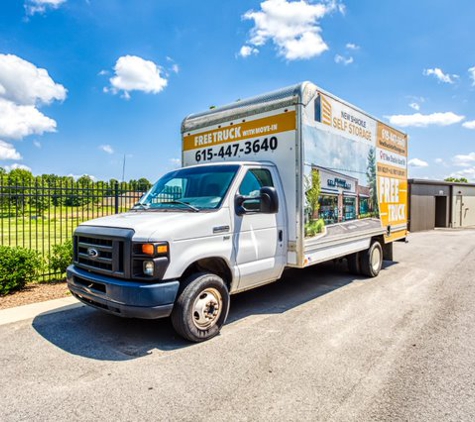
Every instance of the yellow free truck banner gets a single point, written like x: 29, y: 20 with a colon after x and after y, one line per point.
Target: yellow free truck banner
x: 392, y: 179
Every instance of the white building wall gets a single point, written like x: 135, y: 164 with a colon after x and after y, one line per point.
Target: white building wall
x: 463, y: 206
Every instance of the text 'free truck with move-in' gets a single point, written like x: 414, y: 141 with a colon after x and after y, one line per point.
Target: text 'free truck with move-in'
x: 283, y: 180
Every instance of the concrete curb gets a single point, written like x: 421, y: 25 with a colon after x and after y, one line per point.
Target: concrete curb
x: 20, y: 313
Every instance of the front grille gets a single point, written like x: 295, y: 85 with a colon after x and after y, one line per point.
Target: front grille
x: 99, y: 253
x: 103, y: 250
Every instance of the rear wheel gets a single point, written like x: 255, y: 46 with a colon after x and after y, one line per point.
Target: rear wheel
x: 201, y: 308
x: 372, y: 260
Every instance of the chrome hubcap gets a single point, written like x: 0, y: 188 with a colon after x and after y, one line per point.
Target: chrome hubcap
x: 207, y: 308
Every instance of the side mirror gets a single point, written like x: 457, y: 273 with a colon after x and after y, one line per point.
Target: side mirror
x: 269, y: 200
x: 266, y: 203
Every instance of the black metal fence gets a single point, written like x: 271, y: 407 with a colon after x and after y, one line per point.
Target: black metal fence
x: 39, y: 214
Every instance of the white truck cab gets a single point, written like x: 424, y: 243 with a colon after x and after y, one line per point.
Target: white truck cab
x: 236, y: 215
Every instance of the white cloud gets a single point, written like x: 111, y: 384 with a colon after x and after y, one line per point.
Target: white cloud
x: 40, y: 6
x: 8, y: 152
x: 416, y: 162
x: 469, y: 125
x: 247, y: 50
x: 415, y: 102
x: 23, y: 88
x: 132, y: 73
x: 175, y: 161
x: 343, y: 60
x: 351, y: 46
x: 293, y: 27
x: 337, y: 162
x: 424, y: 120
x: 471, y: 72
x: 462, y: 160
x: 440, y: 75
x: 174, y: 67
x: 106, y: 148
x: 77, y: 176
x: 440, y: 162
x: 25, y: 84
x: 468, y: 173
x: 17, y: 166
x: 37, y: 143
x: 18, y: 121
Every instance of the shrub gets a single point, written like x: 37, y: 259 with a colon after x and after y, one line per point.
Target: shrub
x: 61, y: 256
x: 18, y: 266
x: 314, y: 227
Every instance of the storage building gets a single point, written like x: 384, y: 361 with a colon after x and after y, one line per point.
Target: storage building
x: 436, y: 203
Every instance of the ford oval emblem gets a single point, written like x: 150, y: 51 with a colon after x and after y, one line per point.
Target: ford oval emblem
x: 93, y: 253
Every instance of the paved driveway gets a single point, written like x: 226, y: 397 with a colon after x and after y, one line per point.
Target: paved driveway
x: 318, y: 345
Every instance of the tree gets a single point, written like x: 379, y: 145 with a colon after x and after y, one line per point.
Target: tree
x: 143, y: 184
x: 85, y: 180
x: 313, y: 193
x: 372, y: 181
x: 19, y: 182
x: 456, y: 180
x: 40, y: 196
x: 20, y: 177
x: 315, y: 225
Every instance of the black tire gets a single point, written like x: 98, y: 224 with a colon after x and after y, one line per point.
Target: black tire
x: 371, y: 260
x: 201, y: 308
x: 353, y: 262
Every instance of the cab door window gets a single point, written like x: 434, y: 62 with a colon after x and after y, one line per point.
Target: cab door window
x: 250, y: 186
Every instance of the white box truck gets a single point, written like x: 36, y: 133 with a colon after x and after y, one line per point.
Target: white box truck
x: 287, y: 179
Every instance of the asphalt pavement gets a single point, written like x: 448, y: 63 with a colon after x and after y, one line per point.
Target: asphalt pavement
x: 319, y: 345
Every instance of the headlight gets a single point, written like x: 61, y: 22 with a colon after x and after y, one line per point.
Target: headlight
x: 150, y: 260
x: 148, y: 268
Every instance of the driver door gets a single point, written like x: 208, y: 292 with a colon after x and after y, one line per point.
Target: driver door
x: 258, y: 237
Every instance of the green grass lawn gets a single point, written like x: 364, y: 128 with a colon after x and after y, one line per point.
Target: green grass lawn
x: 40, y: 232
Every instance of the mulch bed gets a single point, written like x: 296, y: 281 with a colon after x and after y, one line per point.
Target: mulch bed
x: 35, y: 292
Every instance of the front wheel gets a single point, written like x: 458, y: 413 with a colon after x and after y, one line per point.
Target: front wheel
x: 202, y: 307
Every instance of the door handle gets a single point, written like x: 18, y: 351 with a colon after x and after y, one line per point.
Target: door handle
x: 281, y: 235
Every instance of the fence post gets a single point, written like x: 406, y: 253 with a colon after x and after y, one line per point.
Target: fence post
x: 116, y: 197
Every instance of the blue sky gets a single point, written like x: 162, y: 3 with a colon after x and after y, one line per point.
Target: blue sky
x: 85, y: 82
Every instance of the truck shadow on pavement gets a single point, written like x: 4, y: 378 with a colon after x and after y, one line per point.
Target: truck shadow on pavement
x: 92, y: 334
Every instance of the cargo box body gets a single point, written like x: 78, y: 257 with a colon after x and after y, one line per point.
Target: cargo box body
x: 361, y: 164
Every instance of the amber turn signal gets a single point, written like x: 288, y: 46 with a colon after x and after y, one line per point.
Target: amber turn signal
x: 162, y: 249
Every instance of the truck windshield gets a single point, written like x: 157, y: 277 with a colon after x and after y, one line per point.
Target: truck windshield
x: 190, y: 189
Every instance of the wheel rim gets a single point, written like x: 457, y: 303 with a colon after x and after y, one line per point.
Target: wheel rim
x: 376, y: 259
x: 207, y: 308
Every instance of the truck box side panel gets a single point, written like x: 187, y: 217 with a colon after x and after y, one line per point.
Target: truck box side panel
x: 361, y: 166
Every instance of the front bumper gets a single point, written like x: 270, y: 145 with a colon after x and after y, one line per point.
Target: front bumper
x: 123, y: 298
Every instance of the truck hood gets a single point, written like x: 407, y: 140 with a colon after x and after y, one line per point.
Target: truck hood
x: 150, y: 226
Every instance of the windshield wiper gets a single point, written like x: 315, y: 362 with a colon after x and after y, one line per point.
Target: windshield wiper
x: 175, y: 201
x: 140, y: 205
